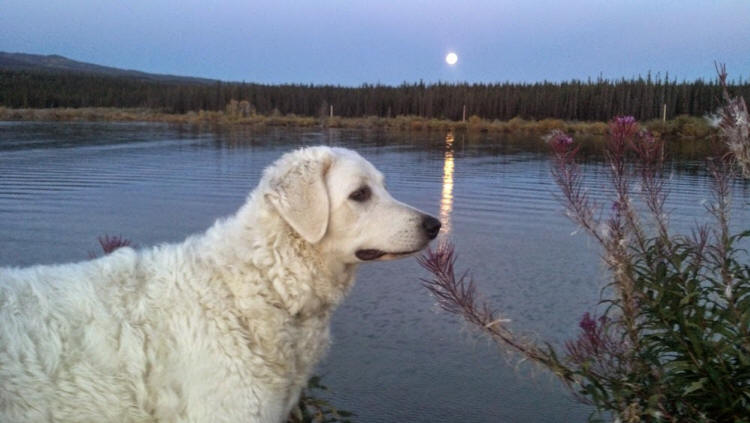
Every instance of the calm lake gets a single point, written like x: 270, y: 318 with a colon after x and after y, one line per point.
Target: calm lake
x: 395, y: 357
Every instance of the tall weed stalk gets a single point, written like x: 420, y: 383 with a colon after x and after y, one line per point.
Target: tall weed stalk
x: 672, y: 343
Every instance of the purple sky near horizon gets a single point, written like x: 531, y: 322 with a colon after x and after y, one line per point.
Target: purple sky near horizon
x: 354, y: 42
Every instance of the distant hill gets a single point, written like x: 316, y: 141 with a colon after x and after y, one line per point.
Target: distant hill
x: 59, y: 64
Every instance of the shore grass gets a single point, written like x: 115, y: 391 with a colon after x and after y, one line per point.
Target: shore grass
x: 680, y: 127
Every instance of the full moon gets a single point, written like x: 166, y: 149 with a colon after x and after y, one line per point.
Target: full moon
x: 451, y: 58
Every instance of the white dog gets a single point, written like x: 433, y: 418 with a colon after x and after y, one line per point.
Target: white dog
x: 224, y: 327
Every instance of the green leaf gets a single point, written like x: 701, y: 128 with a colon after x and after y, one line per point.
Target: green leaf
x: 695, y: 386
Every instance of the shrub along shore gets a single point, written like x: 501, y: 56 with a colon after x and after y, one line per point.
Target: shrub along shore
x: 681, y: 127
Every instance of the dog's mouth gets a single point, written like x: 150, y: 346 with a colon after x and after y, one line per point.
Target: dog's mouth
x: 373, y: 254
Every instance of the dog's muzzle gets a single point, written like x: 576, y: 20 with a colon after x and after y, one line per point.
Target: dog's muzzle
x: 430, y: 227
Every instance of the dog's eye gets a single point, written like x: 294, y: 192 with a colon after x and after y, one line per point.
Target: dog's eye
x: 361, y: 195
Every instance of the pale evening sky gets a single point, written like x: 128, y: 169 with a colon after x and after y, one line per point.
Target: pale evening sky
x: 350, y: 42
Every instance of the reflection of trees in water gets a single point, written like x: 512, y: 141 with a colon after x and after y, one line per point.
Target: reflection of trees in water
x: 237, y: 137
x: 682, y: 156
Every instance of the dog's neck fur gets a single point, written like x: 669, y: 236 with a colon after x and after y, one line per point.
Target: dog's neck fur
x: 299, y: 279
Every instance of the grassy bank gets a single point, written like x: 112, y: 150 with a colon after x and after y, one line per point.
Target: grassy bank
x: 681, y: 127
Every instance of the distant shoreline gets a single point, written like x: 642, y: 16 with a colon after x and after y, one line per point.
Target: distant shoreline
x: 680, y: 127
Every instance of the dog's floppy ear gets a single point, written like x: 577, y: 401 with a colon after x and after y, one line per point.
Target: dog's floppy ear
x: 301, y: 197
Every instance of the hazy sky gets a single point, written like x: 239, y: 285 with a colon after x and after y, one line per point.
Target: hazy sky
x: 350, y: 42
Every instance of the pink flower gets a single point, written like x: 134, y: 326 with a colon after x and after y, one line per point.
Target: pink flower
x: 561, y: 143
x: 646, y: 137
x: 595, y: 342
x: 623, y: 127
x: 587, y: 324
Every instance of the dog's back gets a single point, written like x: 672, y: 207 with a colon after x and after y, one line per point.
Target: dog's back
x: 130, y: 337
x: 53, y: 321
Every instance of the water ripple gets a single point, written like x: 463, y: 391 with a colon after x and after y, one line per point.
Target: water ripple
x: 62, y: 185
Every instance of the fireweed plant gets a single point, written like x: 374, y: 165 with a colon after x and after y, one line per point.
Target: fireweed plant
x: 110, y: 243
x: 734, y: 125
x: 672, y: 342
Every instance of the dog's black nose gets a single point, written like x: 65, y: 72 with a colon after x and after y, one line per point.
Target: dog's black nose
x: 431, y: 226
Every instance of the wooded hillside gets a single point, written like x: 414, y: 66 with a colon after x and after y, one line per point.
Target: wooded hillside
x: 600, y: 99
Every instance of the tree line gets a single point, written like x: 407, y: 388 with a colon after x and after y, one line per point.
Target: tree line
x: 600, y: 99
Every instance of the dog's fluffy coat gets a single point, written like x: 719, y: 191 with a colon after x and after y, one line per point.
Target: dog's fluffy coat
x: 224, y: 327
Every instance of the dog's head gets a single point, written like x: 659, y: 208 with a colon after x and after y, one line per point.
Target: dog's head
x: 335, y: 199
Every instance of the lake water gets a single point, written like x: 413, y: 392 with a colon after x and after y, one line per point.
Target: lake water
x: 395, y: 356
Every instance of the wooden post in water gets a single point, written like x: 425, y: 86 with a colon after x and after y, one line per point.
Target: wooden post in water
x: 664, y: 113
x: 331, y: 113
x: 463, y: 119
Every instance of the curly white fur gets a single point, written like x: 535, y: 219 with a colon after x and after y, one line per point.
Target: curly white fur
x: 224, y: 327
